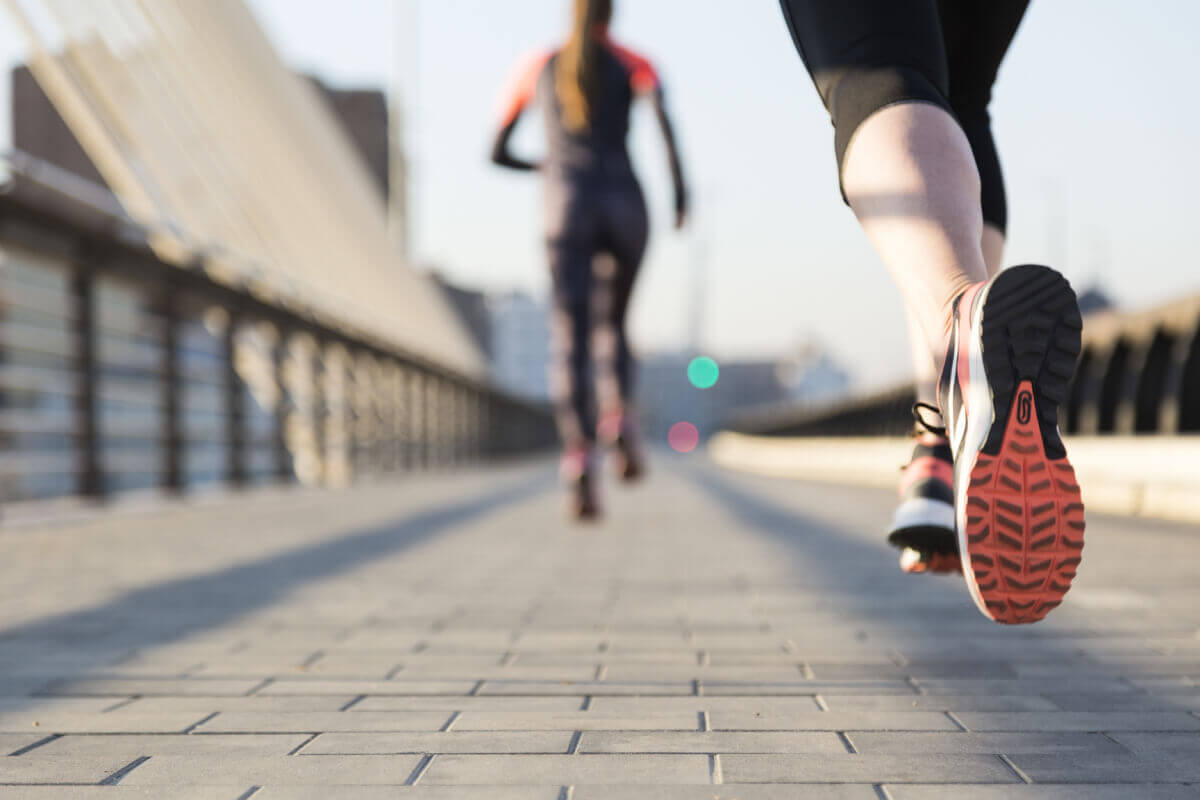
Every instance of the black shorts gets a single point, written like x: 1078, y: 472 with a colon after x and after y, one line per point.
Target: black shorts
x: 864, y: 55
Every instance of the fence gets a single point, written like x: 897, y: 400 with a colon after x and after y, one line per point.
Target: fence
x: 1138, y: 374
x: 119, y: 371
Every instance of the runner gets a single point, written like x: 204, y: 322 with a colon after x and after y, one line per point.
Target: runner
x: 989, y: 489
x: 596, y: 230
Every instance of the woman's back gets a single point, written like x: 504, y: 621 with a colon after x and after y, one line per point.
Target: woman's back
x: 597, y: 148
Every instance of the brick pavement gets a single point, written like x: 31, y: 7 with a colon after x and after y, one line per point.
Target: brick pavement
x: 718, y: 636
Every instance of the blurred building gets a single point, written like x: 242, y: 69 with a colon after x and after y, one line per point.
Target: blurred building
x: 513, y: 329
x: 363, y: 114
x: 520, y: 344
x: 39, y: 130
x: 471, y: 305
x: 666, y: 396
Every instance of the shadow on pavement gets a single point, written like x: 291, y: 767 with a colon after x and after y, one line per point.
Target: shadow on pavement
x: 167, y: 611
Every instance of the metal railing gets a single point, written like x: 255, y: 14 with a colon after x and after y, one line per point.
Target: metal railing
x: 1138, y: 374
x: 121, y: 371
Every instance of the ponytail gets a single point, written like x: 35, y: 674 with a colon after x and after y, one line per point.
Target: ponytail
x: 575, y: 75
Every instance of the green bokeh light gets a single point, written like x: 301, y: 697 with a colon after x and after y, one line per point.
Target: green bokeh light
x: 703, y: 372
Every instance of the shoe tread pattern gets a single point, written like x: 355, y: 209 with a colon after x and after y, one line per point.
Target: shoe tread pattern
x: 1024, y: 519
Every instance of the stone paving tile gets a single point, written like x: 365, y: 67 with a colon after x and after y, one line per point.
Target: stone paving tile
x: 517, y: 672
x: 1160, y: 685
x: 260, y: 703
x: 710, y: 742
x: 808, y: 687
x: 1182, y: 743
x: 119, y: 792
x: 575, y: 721
x: 669, y: 672
x: 79, y: 722
x: 568, y: 770
x: 497, y: 687
x: 281, y: 770
x: 25, y: 703
x: 997, y: 743
x: 865, y: 768
x: 833, y: 721
x: 319, y: 721
x: 940, y: 702
x: 411, y: 792
x: 1129, y: 791
x: 133, y: 745
x: 292, y: 685
x: 920, y: 671
x: 694, y: 704
x: 727, y: 792
x: 474, y: 703
x: 65, y: 769
x: 1033, y: 686
x: 1125, y: 701
x: 15, y: 741
x: 1078, y: 721
x: 678, y: 658
x: 149, y: 686
x: 485, y: 742
x: 1096, y: 768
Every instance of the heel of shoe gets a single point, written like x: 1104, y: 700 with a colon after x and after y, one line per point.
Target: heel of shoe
x: 1031, y: 331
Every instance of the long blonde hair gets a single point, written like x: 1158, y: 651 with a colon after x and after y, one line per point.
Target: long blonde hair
x: 575, y: 75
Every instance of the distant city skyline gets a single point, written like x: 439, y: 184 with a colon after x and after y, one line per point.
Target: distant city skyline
x: 1096, y: 144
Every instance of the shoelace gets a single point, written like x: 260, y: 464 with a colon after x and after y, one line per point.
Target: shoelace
x: 918, y: 407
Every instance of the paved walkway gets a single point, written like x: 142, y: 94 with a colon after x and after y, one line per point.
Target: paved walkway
x: 719, y: 637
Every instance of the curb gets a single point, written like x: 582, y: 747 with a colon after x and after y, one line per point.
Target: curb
x: 1155, y: 477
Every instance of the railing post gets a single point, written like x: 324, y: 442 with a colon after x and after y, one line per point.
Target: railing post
x: 430, y: 415
x: 90, y: 476
x: 172, y: 424
x: 319, y: 358
x: 279, y: 357
x: 235, y: 405
x: 486, y: 435
x: 416, y: 419
x: 399, y: 414
x: 474, y: 429
x: 1170, y: 410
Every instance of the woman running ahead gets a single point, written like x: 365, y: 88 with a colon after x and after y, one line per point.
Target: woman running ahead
x: 596, y: 232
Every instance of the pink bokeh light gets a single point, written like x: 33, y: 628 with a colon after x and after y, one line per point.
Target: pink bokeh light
x: 683, y: 437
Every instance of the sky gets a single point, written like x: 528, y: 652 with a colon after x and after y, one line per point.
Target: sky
x: 1095, y: 118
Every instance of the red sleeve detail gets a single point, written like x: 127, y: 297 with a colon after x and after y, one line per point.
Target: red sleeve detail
x: 522, y: 85
x: 642, y: 77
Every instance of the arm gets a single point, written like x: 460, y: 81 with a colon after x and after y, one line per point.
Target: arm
x: 668, y: 133
x: 502, y: 155
x: 643, y: 79
x: 521, y: 89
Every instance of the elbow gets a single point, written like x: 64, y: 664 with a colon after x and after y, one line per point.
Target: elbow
x: 496, y: 156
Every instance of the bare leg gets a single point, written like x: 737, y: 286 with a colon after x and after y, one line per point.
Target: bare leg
x: 993, y: 248
x: 925, y: 361
x: 925, y: 376
x: 911, y: 180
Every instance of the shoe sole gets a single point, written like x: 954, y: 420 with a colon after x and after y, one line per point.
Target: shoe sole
x: 1021, y: 519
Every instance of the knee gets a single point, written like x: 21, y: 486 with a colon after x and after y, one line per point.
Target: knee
x: 854, y: 93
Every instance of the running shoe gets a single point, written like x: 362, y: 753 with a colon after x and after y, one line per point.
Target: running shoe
x: 923, y: 525
x: 621, y: 431
x: 1018, y: 510
x: 577, y: 469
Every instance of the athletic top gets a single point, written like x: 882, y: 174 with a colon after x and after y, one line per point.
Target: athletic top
x: 599, y: 149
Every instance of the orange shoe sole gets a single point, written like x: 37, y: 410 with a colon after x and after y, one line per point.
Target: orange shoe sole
x: 1024, y: 530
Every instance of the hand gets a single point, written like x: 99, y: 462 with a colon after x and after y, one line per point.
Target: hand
x: 680, y: 218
